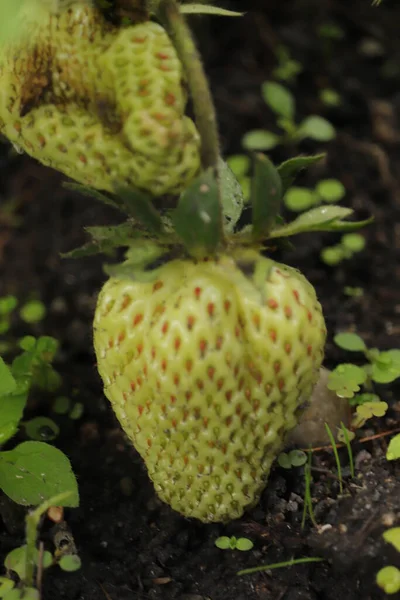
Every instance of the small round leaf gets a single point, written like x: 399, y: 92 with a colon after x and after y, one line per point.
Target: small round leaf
x: 330, y: 190
x: 42, y: 429
x: 350, y: 341
x: 70, y: 562
x: 353, y: 242
x: 388, y: 579
x: 393, y: 451
x: 33, y: 311
x: 223, y: 542
x: 244, y: 544
x: 298, y: 199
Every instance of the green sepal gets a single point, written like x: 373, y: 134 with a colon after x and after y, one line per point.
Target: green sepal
x: 141, y: 261
x: 105, y: 239
x: 322, y: 218
x: 196, y: 8
x: 197, y: 218
x: 139, y: 205
x: 291, y: 168
x: 85, y: 190
x: 266, y: 196
x: 231, y: 195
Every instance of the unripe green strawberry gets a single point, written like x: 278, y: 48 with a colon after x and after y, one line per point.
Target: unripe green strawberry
x: 103, y: 105
x: 206, y: 367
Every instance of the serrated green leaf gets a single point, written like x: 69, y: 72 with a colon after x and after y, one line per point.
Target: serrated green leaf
x: 320, y: 218
x: 266, y: 196
x: 11, y: 410
x: 350, y: 341
x: 105, y: 239
x: 7, y: 381
x: 393, y: 451
x: 34, y: 471
x: 197, y: 218
x: 260, y: 140
x: 279, y: 99
x: 231, y: 195
x: 346, y: 379
x: 139, y: 206
x: 291, y: 168
x: 208, y: 9
x: 317, y: 128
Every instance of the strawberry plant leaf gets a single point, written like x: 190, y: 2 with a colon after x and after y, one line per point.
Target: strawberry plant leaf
x: 11, y: 410
x: 291, y: 168
x: 393, y: 451
x: 34, y: 471
x: 197, y: 218
x: 279, y: 99
x: 139, y: 205
x: 7, y: 381
x: 105, y: 239
x: 320, y: 218
x: 266, y: 196
x: 350, y: 341
x: 231, y: 195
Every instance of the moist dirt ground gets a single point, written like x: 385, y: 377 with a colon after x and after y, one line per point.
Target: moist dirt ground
x: 133, y: 547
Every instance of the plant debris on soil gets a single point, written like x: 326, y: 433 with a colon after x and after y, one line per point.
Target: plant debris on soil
x: 132, y: 546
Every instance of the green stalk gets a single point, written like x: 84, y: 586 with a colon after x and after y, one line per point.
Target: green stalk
x: 32, y: 523
x: 203, y: 105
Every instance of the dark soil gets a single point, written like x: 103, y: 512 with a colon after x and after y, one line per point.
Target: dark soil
x: 132, y: 546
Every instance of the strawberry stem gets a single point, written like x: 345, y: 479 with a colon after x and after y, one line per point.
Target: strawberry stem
x: 203, y: 105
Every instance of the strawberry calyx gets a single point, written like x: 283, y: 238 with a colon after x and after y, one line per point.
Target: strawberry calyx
x: 207, y: 218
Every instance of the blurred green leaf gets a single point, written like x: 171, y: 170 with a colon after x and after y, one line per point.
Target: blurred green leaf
x: 353, y: 242
x: 291, y: 168
x: 260, y: 140
x: 393, y: 451
x: 70, y: 562
x: 33, y: 311
x: 266, y: 195
x: 330, y: 190
x: 321, y: 218
x: 279, y: 99
x: 317, y: 128
x: 42, y: 429
x: 299, y: 199
x: 207, y: 9
x: 7, y: 381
